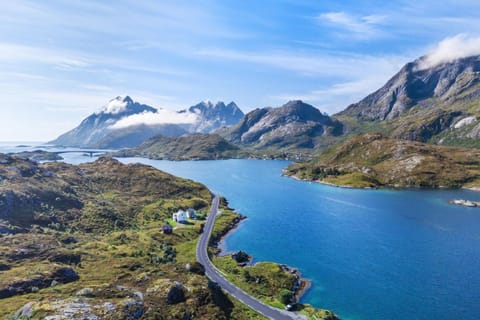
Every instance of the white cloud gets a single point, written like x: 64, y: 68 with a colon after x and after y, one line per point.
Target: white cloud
x: 321, y: 64
x: 450, y: 49
x: 114, y: 106
x: 361, y: 28
x: 162, y: 116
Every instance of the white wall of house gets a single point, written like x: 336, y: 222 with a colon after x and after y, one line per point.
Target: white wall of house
x: 180, y: 216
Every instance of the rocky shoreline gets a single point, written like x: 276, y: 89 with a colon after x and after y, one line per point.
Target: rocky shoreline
x: 301, y: 285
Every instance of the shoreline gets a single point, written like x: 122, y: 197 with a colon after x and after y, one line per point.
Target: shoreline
x: 302, y: 285
x: 390, y: 187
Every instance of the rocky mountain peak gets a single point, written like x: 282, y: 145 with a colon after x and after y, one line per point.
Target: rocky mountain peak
x: 294, y: 125
x: 214, y: 116
x: 124, y: 105
x: 418, y: 83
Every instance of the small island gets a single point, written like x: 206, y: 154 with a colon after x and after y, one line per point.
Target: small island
x: 465, y: 203
x: 38, y: 155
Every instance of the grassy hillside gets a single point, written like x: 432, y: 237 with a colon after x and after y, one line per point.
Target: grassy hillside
x: 86, y: 240
x: 371, y: 160
x: 188, y: 147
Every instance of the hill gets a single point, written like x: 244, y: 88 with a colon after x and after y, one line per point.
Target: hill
x: 372, y: 160
x: 189, y: 147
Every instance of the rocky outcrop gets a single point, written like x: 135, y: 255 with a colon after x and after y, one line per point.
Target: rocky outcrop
x: 176, y: 294
x: 60, y: 275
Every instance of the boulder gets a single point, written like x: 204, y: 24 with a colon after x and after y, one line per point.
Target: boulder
x: 176, y: 294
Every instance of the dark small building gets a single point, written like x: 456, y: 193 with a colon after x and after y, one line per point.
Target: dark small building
x: 167, y: 229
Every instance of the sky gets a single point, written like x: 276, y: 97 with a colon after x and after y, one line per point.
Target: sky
x: 63, y: 60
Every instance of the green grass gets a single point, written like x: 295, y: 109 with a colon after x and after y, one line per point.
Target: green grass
x: 118, y: 236
x: 372, y: 160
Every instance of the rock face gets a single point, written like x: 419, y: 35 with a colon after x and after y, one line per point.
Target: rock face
x: 294, y: 125
x: 214, y: 116
x: 437, y: 104
x: 414, y: 85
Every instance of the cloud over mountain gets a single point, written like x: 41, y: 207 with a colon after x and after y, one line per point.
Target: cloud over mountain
x: 452, y: 48
x: 162, y: 116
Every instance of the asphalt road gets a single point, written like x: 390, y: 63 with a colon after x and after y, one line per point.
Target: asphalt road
x: 215, y: 275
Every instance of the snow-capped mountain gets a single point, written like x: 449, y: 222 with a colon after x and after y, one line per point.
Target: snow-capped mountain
x: 211, y: 117
x: 123, y: 122
x: 101, y: 124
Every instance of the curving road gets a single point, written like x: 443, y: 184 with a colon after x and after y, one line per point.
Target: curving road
x: 215, y: 275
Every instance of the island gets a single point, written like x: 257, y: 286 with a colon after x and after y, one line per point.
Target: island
x: 39, y: 155
x: 465, y: 203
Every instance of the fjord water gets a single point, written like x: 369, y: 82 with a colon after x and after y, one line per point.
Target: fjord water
x: 371, y: 254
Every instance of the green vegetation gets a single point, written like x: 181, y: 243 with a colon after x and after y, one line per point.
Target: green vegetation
x: 91, y: 235
x: 188, y: 147
x: 270, y: 282
x: 372, y: 160
x: 263, y: 280
x: 38, y: 155
x: 88, y: 240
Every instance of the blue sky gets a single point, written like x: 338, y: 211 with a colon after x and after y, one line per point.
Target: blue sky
x: 62, y: 60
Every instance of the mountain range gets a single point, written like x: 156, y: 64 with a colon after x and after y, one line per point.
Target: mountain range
x: 123, y: 122
x: 437, y: 104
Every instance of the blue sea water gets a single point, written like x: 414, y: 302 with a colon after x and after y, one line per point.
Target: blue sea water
x: 371, y: 254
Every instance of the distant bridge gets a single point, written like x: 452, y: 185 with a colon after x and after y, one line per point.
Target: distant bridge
x: 89, y: 152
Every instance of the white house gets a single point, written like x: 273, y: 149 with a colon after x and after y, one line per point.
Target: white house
x: 180, y: 216
x: 191, y: 213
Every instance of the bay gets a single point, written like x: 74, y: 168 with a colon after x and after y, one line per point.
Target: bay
x: 371, y: 254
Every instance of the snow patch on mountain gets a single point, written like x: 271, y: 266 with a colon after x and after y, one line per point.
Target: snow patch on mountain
x: 116, y: 105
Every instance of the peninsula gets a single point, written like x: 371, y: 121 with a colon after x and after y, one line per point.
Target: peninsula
x: 374, y: 161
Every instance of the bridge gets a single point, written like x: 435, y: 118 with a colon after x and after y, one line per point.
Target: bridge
x: 89, y: 152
